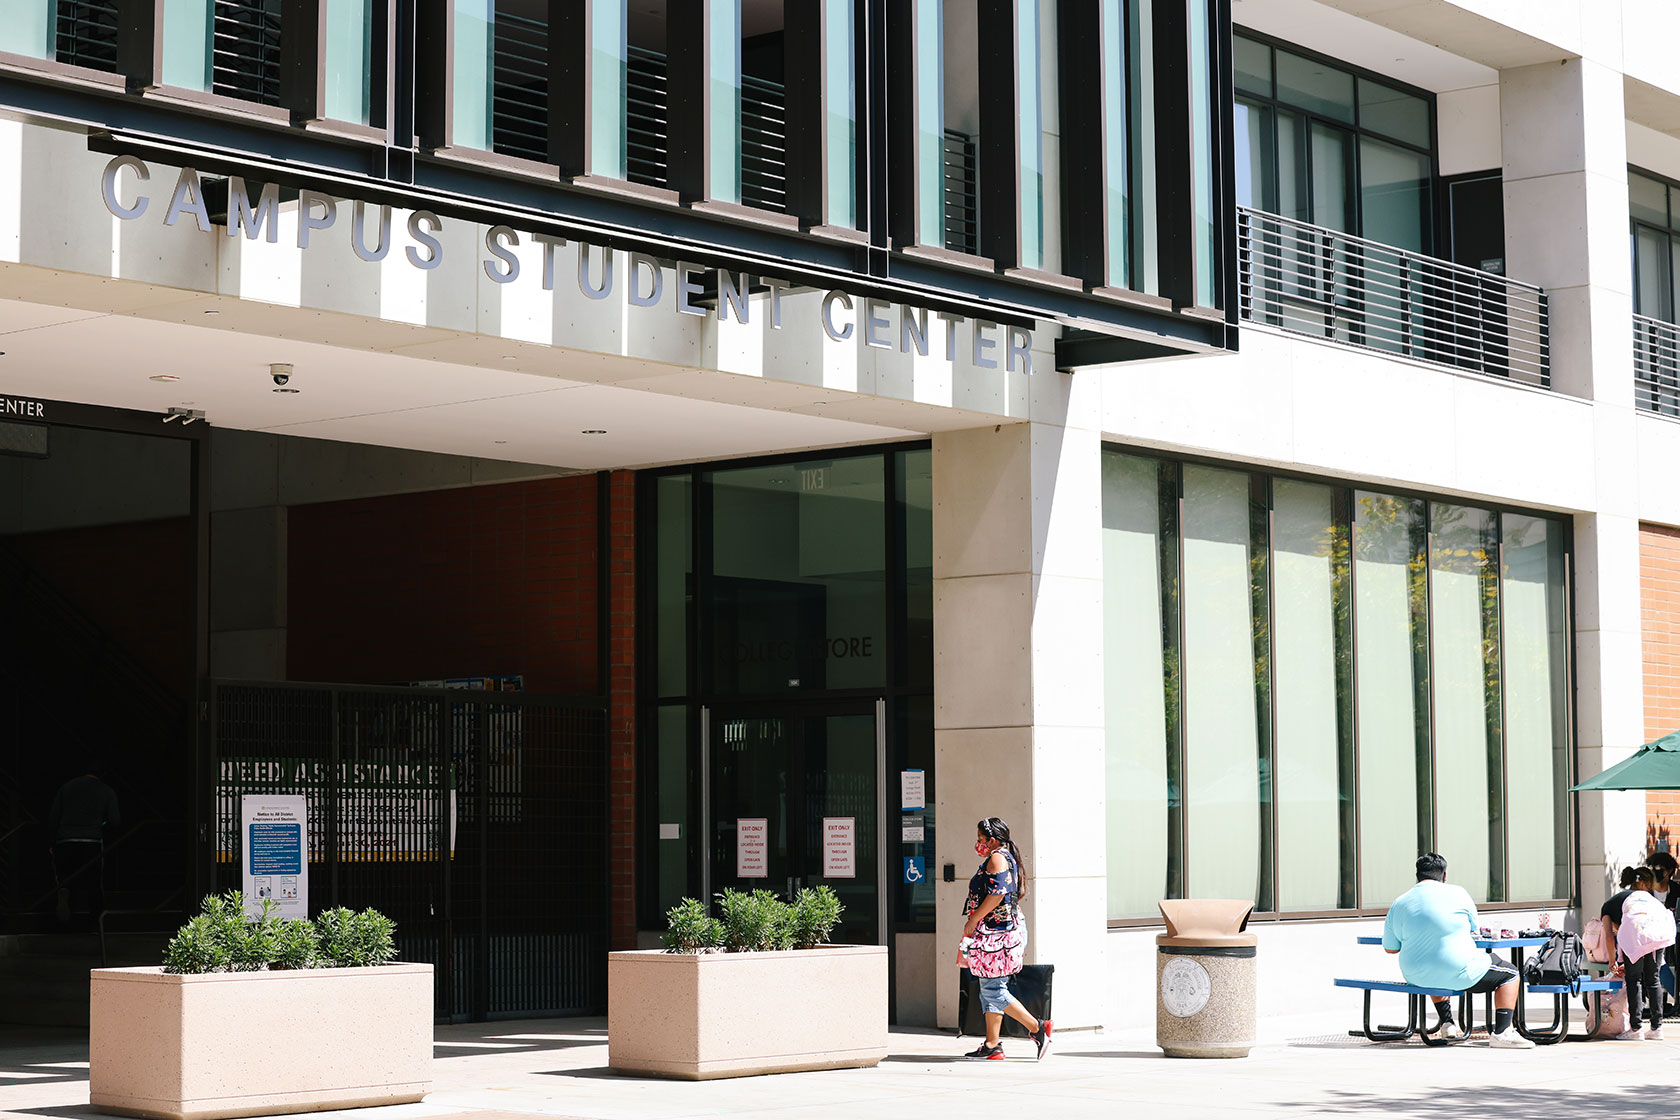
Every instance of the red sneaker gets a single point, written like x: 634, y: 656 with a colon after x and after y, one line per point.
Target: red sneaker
x: 1042, y: 1038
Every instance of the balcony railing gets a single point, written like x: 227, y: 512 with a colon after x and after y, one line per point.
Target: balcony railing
x: 86, y: 34
x: 1313, y: 280
x: 1656, y: 366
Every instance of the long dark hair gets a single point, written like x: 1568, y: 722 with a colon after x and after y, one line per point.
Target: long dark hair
x: 996, y: 828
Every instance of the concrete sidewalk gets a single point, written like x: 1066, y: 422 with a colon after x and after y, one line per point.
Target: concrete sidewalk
x: 1305, y: 1067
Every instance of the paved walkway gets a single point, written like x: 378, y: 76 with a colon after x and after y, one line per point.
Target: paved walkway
x: 545, y: 1069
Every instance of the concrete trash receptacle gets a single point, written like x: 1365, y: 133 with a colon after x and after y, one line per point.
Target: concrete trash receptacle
x: 1205, y: 979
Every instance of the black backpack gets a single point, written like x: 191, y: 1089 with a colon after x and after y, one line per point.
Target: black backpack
x: 1559, y: 962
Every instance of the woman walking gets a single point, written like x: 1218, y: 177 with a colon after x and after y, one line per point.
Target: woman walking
x: 994, y: 940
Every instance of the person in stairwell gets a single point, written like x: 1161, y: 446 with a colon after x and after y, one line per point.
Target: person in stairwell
x: 82, y: 810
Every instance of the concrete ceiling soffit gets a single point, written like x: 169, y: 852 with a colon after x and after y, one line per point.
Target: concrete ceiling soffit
x: 1453, y: 27
x: 1650, y: 106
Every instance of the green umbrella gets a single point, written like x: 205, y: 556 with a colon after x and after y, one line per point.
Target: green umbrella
x: 1654, y: 766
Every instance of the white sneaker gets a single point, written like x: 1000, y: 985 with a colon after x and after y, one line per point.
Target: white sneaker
x: 1635, y: 1035
x: 1509, y: 1039
x: 1451, y: 1031
x: 1654, y: 1034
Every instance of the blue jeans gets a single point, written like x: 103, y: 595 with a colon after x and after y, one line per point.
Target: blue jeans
x: 994, y: 994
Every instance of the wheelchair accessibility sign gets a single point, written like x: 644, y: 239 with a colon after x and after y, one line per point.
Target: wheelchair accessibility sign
x: 915, y: 869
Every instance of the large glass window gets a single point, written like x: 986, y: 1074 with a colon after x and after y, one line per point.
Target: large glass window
x: 1464, y: 652
x: 1654, y: 211
x: 1319, y: 144
x: 1140, y: 642
x: 1536, y: 648
x: 785, y: 593
x: 1312, y: 624
x: 1390, y: 542
x: 1225, y: 686
x: 1308, y: 686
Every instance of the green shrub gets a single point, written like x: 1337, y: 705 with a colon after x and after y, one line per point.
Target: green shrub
x: 755, y: 921
x: 816, y: 911
x: 690, y: 928
x: 196, y: 948
x: 297, y: 944
x: 222, y: 939
x: 352, y: 940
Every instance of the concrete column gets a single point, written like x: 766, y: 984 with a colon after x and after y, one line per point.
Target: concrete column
x: 1566, y: 228
x: 1018, y: 710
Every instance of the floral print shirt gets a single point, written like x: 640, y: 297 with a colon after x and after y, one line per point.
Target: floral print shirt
x: 1003, y: 916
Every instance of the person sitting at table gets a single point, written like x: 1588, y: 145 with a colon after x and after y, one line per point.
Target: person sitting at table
x: 1432, y: 928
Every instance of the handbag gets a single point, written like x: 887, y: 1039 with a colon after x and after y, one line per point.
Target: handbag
x: 1033, y: 986
x: 997, y: 952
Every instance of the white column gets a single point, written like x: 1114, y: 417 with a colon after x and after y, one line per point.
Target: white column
x: 1018, y: 709
x: 1566, y: 228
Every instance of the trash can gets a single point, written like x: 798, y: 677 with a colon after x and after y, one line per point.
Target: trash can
x: 1204, y: 979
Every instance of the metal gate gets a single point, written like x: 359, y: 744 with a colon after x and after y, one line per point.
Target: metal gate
x: 477, y: 821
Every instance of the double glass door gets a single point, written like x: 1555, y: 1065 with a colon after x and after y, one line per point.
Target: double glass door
x: 792, y: 800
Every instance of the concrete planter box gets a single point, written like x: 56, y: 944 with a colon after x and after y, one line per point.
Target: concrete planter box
x: 255, y: 1043
x: 735, y: 1014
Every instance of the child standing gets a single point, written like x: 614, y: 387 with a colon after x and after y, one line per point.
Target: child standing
x: 1642, y: 931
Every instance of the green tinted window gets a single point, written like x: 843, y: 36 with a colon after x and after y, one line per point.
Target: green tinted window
x: 1315, y: 86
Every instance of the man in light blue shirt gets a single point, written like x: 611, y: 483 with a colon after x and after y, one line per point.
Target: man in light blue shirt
x: 1433, y: 928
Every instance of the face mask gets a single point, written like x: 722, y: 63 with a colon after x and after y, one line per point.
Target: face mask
x: 981, y: 849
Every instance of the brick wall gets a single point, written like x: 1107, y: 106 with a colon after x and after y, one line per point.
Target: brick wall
x: 1659, y: 578
x: 621, y: 630
x: 477, y: 582
x: 449, y: 583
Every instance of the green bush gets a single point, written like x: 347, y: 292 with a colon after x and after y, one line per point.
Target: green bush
x: 690, y: 928
x: 352, y: 940
x: 297, y: 944
x: 196, y: 948
x: 222, y: 939
x: 753, y: 922
x: 816, y: 911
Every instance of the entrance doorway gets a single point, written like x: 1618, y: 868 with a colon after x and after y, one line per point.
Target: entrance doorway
x: 791, y: 795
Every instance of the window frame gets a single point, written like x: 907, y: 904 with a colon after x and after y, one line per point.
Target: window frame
x: 1355, y: 129
x: 1344, y: 491
x: 1672, y: 233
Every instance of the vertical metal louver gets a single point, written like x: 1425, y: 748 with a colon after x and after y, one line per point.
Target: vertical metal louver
x: 245, y: 50
x: 85, y: 34
x: 962, y: 193
x: 648, y: 119
x: 519, y: 87
x: 763, y: 144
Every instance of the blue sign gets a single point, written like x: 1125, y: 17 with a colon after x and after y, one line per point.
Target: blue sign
x: 276, y: 849
x: 915, y: 869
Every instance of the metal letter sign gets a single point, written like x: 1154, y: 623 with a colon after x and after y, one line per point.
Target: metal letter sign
x: 274, y: 832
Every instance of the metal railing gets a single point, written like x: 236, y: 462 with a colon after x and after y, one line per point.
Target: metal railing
x: 1314, y: 280
x: 1656, y: 366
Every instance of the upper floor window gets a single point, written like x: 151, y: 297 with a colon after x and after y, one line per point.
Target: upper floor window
x: 74, y: 32
x: 1654, y: 212
x: 1319, y: 143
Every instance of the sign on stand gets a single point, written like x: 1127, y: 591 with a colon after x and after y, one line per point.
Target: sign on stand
x: 840, y: 847
x: 275, y: 829
x: 752, y: 848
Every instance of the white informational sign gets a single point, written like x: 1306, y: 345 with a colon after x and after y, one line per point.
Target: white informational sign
x: 752, y: 848
x: 912, y: 827
x: 840, y: 847
x: 669, y: 831
x: 274, y: 832
x: 912, y: 788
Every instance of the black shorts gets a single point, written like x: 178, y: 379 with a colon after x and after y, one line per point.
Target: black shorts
x: 1499, y: 974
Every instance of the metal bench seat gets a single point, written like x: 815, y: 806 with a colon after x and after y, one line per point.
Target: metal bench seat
x: 1417, y: 1015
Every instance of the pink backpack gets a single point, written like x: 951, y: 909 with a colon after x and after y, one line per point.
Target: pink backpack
x: 1594, y: 941
x: 1647, y: 925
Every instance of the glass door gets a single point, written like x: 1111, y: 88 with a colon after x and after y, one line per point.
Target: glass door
x: 792, y: 800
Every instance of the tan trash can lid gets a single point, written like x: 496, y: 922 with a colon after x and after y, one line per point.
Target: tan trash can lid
x: 1206, y: 922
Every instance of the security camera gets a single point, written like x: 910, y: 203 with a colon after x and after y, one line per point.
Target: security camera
x: 281, y: 372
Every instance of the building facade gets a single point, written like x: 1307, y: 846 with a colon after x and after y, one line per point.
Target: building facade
x: 602, y: 453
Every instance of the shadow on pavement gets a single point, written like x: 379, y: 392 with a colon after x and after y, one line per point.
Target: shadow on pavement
x: 1495, y: 1100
